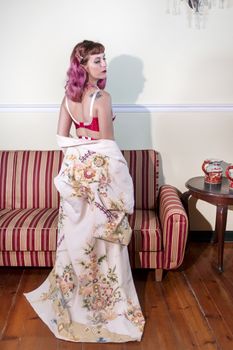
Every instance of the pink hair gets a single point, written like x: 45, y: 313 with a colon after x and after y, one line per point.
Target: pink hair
x: 77, y: 75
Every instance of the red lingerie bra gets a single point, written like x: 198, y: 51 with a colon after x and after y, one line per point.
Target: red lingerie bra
x: 93, y: 125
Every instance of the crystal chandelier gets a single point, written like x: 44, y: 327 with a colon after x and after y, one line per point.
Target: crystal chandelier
x: 199, y: 5
x: 197, y: 8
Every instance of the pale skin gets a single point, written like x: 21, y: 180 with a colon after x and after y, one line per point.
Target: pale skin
x: 96, y: 69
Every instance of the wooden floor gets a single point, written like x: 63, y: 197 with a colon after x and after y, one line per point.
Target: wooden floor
x: 191, y: 309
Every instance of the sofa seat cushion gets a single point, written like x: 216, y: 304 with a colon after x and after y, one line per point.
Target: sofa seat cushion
x: 28, y: 229
x: 146, y: 231
x: 36, y: 258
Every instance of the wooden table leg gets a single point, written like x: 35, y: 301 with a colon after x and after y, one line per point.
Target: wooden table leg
x: 221, y: 219
x: 214, y: 239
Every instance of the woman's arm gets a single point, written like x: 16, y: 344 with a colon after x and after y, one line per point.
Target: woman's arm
x: 104, y: 109
x: 64, y: 122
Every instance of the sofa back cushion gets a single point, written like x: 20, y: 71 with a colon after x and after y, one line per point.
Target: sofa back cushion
x: 144, y: 169
x: 28, y: 179
x: 7, y: 162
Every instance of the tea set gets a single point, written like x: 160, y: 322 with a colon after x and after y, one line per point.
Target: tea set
x: 214, y: 172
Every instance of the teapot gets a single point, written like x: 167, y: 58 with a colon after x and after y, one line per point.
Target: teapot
x: 213, y: 171
x: 229, y: 175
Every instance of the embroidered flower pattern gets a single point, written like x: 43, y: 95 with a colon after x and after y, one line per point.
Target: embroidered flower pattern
x: 99, y: 161
x: 83, y: 192
x: 89, y: 173
x: 100, y: 292
x: 82, y: 174
x: 66, y: 281
x: 134, y: 315
x: 60, y: 293
x: 115, y: 232
x: 61, y: 215
x: 63, y: 285
x: 89, y: 291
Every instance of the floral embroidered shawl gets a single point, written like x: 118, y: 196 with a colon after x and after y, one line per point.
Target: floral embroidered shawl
x: 95, y: 174
x: 89, y: 296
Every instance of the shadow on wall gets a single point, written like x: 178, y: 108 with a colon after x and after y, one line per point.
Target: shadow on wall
x: 125, y: 83
x: 197, y: 219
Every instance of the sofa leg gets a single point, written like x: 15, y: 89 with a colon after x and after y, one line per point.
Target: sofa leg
x: 158, y: 275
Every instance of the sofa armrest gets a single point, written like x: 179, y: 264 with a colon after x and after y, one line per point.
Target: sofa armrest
x: 174, y: 225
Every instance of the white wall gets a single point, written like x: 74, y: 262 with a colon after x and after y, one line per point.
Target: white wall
x: 155, y: 60
x: 180, y: 64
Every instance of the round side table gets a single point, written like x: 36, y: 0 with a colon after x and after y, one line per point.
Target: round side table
x: 219, y: 195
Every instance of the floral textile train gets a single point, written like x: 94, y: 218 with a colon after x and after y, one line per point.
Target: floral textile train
x: 89, y: 296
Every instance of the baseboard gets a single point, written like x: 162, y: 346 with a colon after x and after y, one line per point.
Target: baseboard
x: 205, y: 236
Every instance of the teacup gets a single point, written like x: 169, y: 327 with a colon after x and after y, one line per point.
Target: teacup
x: 229, y: 175
x: 213, y: 171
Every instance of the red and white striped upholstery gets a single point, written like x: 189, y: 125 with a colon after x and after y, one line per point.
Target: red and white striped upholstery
x: 27, y: 180
x: 43, y: 259
x: 28, y: 229
x: 144, y: 169
x: 155, y: 243
x: 29, y: 211
x: 174, y: 223
x: 28, y: 207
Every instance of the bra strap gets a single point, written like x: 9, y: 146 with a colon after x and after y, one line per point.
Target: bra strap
x: 92, y: 103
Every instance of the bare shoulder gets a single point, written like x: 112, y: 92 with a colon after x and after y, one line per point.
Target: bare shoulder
x: 105, y: 94
x: 103, y: 99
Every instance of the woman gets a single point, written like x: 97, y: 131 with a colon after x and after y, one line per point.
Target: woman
x: 89, y: 296
x: 85, y: 97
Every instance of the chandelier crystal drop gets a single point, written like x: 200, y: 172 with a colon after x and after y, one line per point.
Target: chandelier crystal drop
x: 199, y: 5
x: 197, y: 8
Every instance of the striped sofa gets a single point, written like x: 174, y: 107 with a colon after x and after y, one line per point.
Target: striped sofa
x: 29, y: 206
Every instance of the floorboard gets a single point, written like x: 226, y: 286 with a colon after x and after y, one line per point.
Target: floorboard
x: 192, y: 308
x: 9, y: 284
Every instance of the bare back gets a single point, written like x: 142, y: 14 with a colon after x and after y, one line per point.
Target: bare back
x: 92, y: 117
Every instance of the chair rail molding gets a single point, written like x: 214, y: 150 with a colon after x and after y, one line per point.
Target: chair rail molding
x: 123, y: 108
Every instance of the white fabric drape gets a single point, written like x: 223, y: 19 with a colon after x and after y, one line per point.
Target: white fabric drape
x: 90, y: 296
